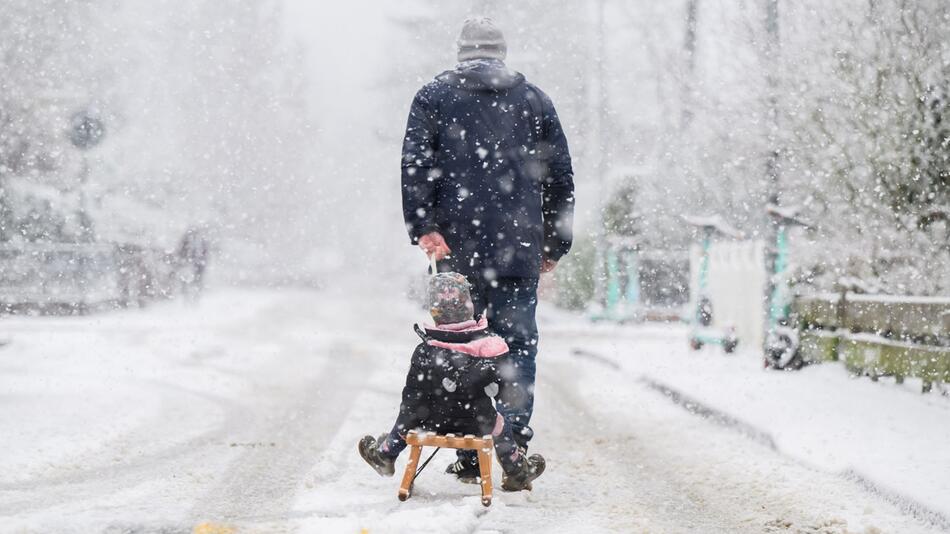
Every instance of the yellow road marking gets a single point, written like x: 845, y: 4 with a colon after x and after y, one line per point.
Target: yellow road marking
x: 212, y: 528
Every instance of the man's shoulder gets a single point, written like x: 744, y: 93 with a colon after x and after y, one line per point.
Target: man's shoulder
x: 545, y: 99
x: 432, y: 90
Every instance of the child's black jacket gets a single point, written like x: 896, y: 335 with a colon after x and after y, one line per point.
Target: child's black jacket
x: 445, y: 385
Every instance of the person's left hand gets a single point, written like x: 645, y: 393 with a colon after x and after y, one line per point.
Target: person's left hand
x: 548, y: 265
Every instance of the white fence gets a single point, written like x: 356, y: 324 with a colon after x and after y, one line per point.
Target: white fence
x: 736, y: 287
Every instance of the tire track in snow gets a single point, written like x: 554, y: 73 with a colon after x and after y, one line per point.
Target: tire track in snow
x: 177, y: 471
x: 641, y: 492
x: 696, y: 407
x: 709, y: 413
x: 261, y: 483
x: 111, y: 477
x: 909, y: 506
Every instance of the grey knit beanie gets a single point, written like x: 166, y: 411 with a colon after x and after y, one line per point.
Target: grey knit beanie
x: 481, y: 39
x: 449, y: 298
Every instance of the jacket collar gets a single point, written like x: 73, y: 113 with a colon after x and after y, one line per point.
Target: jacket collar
x: 469, y: 337
x: 463, y: 332
x: 482, y: 75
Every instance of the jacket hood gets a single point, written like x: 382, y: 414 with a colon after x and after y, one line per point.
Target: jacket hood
x: 483, y: 347
x: 469, y: 337
x: 465, y: 327
x: 482, y: 75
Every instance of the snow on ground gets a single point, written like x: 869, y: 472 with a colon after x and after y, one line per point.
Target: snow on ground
x: 245, y: 411
x: 888, y: 435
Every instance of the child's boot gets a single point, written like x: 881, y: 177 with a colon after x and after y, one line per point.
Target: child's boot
x: 465, y: 469
x: 369, y: 450
x: 521, y: 476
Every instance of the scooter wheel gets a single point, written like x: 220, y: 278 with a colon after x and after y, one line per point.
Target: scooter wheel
x: 695, y: 344
x: 730, y: 346
x: 796, y: 363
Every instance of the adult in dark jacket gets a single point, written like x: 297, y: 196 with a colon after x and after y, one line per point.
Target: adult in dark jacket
x: 487, y: 188
x: 447, y: 387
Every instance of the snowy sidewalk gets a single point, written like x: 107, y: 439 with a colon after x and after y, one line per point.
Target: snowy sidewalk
x: 889, y: 437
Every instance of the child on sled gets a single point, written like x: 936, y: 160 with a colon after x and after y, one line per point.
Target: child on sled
x: 447, y: 387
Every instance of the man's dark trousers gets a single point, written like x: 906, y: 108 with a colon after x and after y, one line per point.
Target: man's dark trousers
x: 510, y: 305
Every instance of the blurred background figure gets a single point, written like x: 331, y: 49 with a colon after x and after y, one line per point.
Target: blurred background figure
x: 194, y: 251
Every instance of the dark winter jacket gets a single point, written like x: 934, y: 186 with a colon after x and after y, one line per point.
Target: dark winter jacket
x: 445, y: 385
x: 486, y: 163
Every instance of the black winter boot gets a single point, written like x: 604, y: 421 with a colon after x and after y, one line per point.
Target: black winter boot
x: 465, y: 470
x: 369, y: 450
x: 531, y: 468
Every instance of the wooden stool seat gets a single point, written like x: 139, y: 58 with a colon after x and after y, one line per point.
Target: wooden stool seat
x: 417, y: 440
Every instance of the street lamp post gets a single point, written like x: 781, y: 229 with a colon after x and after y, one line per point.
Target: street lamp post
x: 689, y: 45
x: 600, y: 148
x: 772, y: 171
x: 86, y: 131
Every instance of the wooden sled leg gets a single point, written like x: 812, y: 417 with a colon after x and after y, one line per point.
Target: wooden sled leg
x: 405, y: 489
x: 484, y: 467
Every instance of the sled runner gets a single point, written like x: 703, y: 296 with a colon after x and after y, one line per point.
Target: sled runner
x: 417, y: 440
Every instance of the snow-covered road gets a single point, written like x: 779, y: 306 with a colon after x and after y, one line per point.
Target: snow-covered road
x: 243, y: 412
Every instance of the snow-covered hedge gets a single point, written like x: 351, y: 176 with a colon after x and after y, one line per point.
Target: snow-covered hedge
x: 879, y: 335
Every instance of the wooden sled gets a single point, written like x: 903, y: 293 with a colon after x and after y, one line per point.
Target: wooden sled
x: 417, y: 440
